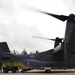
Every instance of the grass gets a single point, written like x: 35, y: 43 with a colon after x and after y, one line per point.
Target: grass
x: 14, y: 63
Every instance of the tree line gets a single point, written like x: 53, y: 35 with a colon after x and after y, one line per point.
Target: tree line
x: 23, y: 52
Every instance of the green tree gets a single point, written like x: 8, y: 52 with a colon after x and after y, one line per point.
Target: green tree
x: 24, y: 52
x: 37, y: 51
x: 14, y: 52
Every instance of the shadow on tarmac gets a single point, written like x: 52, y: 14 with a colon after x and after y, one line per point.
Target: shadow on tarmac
x: 54, y: 71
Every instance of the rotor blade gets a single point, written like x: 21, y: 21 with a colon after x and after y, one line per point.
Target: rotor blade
x: 60, y: 17
x: 43, y: 38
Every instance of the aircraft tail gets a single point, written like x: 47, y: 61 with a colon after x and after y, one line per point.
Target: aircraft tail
x: 4, y: 48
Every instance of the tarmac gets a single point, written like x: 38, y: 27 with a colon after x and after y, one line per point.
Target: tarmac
x: 42, y: 72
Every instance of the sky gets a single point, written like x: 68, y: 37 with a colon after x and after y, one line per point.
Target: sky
x: 19, y: 22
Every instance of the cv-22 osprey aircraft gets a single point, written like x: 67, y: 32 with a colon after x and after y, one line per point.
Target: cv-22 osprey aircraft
x: 61, y: 56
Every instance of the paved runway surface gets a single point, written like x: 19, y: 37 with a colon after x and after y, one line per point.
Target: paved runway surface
x: 38, y: 72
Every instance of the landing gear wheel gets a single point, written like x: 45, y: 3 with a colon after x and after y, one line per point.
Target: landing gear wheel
x: 13, y: 71
x: 48, y: 71
x: 5, y: 70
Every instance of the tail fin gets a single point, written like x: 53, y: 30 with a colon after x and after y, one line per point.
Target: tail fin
x: 4, y: 47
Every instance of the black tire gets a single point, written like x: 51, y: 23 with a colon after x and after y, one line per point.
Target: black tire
x: 13, y: 70
x: 48, y: 71
x: 5, y: 70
